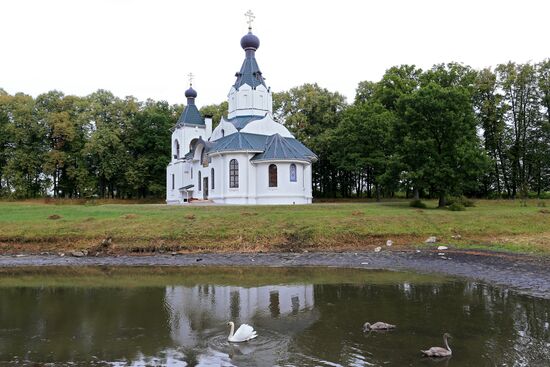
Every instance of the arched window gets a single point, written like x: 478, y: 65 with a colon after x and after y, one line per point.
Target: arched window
x: 176, y: 149
x: 292, y: 172
x: 191, y: 172
x: 204, y: 158
x: 272, y: 175
x: 212, y: 177
x: 233, y: 173
x: 223, y: 133
x: 200, y: 184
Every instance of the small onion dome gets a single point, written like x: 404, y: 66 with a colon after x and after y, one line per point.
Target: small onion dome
x: 250, y: 41
x: 191, y: 93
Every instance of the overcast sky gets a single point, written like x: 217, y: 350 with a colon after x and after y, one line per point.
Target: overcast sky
x: 147, y: 48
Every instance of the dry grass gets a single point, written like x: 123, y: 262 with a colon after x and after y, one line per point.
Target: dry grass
x: 138, y: 228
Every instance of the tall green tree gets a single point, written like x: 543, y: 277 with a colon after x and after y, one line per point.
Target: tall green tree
x: 309, y: 112
x: 490, y: 116
x: 361, y: 145
x: 147, y: 138
x: 26, y: 150
x: 5, y: 101
x: 522, y: 112
x: 440, y: 147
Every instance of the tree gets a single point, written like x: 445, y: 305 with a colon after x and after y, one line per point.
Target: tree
x: 309, y: 111
x: 440, y: 147
x: 522, y: 112
x: 26, y: 149
x: 490, y: 117
x: 106, y: 156
x: 5, y: 101
x: 217, y: 111
x: 147, y: 138
x: 361, y: 145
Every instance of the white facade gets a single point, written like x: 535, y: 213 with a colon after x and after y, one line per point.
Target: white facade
x: 248, y: 159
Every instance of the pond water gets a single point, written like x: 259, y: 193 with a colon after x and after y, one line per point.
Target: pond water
x: 304, y: 317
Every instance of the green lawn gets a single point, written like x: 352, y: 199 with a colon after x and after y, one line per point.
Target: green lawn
x: 503, y: 225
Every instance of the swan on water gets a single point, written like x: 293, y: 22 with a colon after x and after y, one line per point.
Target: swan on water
x: 438, y: 351
x: 244, y: 333
x: 378, y: 326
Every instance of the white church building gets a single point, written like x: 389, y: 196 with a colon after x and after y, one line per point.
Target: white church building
x: 249, y: 158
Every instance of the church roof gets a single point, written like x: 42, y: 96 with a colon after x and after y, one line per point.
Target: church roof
x: 279, y: 148
x: 241, y: 121
x: 274, y: 147
x: 190, y: 115
x: 250, y: 71
x: 239, y: 141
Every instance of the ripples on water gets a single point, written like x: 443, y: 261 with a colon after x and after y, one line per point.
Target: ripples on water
x: 312, y: 322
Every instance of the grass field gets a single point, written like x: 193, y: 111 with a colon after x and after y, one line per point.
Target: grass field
x: 500, y: 225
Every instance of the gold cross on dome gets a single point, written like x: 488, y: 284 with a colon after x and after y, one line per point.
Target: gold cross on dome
x: 250, y: 17
x: 191, y: 77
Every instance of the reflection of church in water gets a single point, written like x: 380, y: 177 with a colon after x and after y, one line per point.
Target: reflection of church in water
x: 275, y: 307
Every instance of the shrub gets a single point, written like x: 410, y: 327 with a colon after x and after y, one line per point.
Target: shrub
x: 462, y: 200
x: 417, y: 204
x: 456, y: 207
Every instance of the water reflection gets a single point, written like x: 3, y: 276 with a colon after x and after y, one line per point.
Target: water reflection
x: 310, y: 324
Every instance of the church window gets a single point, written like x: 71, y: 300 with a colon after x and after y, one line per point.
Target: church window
x: 223, y: 133
x: 233, y: 173
x: 173, y: 181
x: 292, y: 172
x: 177, y: 149
x: 212, y: 177
x: 191, y: 172
x: 272, y: 175
x: 200, y: 185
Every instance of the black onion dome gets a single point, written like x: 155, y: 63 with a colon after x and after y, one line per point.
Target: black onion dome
x: 250, y: 41
x: 191, y: 93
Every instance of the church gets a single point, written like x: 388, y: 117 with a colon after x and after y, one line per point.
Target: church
x: 249, y: 158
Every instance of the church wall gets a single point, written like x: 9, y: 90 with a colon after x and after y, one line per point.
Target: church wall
x: 247, y: 101
x: 286, y: 192
x: 236, y: 195
x: 227, y: 127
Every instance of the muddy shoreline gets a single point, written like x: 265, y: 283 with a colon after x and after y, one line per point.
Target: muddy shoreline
x: 522, y: 273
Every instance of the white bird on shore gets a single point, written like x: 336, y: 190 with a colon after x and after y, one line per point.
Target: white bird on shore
x: 244, y: 333
x: 378, y: 326
x: 438, y: 351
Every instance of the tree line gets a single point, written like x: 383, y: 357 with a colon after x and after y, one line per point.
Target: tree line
x: 450, y: 130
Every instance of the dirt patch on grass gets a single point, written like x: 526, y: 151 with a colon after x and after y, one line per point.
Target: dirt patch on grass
x: 55, y: 217
x: 130, y: 216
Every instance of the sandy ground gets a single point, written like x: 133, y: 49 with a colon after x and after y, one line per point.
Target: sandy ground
x: 522, y: 273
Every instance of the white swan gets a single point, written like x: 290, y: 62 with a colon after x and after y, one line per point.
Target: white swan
x: 378, y: 326
x: 244, y: 333
x: 438, y: 351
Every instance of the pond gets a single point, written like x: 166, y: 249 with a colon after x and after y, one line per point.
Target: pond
x: 304, y: 317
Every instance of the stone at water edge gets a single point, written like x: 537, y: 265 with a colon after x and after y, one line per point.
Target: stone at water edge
x: 442, y: 248
x: 389, y: 243
x: 378, y: 249
x: 431, y: 239
x: 77, y: 253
